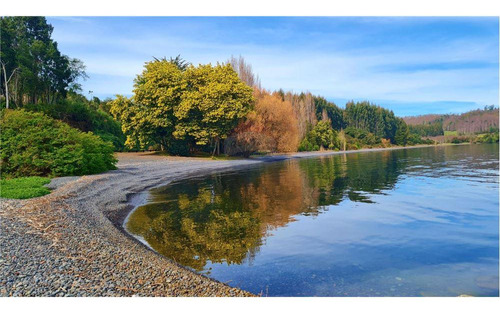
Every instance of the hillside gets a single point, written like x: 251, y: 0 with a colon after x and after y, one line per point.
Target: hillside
x: 472, y: 122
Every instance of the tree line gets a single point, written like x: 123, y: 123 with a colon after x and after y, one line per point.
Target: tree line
x: 185, y: 109
x: 176, y: 107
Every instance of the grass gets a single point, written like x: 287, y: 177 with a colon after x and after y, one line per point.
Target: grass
x: 23, y: 188
x: 450, y: 133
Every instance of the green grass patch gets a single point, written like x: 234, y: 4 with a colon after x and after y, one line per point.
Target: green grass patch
x: 23, y: 188
x: 450, y: 133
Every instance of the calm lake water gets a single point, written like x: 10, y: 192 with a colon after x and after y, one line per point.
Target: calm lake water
x: 412, y: 222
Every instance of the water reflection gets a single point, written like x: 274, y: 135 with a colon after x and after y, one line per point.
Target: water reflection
x: 227, y: 218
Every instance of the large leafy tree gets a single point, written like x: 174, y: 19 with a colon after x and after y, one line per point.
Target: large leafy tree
x: 196, y: 106
x: 148, y: 117
x: 31, y: 59
x: 213, y: 103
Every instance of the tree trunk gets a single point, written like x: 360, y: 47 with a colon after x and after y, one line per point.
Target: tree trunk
x: 215, y: 148
x: 6, y: 90
x: 6, y: 86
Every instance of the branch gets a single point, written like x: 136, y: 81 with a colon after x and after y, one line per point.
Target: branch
x: 13, y: 72
x: 5, y: 72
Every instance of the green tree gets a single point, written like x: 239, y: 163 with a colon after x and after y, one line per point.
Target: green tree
x: 371, y: 118
x: 38, y: 71
x: 321, y: 136
x: 148, y: 117
x: 402, y: 133
x: 333, y: 113
x: 214, y: 101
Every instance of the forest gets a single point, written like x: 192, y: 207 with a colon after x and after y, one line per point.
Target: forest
x: 177, y: 108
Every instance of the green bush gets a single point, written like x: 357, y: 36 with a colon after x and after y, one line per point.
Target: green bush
x: 33, y: 144
x: 415, y: 139
x: 460, y: 139
x: 487, y: 138
x: 23, y: 188
x: 321, y: 136
x: 360, y: 138
x: 78, y: 114
x: 306, y: 145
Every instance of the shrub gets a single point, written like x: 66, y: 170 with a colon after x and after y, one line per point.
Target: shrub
x: 76, y: 113
x: 306, y: 145
x: 321, y: 136
x: 415, y: 139
x: 460, y: 139
x: 361, y: 138
x: 33, y: 144
x: 487, y: 138
x: 385, y: 142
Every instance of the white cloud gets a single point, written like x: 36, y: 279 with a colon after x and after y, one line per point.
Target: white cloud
x: 391, y: 72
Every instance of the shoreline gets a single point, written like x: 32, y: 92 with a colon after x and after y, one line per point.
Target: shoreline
x: 72, y: 242
x: 142, y: 196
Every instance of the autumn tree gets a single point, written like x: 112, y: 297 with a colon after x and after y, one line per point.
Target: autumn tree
x: 272, y: 126
x: 304, y: 109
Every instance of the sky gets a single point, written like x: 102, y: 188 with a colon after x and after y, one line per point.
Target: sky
x: 412, y: 66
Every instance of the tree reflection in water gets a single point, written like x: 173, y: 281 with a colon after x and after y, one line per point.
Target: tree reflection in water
x: 226, y: 217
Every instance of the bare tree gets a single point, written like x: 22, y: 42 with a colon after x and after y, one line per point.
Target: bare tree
x: 245, y: 72
x: 7, y: 82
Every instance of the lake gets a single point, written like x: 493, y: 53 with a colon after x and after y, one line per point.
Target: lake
x: 409, y: 222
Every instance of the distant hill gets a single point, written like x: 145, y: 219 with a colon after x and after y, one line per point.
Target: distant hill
x: 472, y: 122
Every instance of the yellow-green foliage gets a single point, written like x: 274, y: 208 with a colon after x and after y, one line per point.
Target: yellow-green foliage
x: 200, y: 104
x: 148, y: 116
x: 214, y: 101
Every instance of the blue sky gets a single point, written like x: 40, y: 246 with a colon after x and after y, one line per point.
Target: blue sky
x: 410, y: 65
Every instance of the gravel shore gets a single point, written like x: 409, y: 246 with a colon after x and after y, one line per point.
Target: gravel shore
x: 71, y: 242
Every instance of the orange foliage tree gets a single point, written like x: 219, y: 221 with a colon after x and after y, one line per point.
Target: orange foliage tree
x: 272, y: 126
